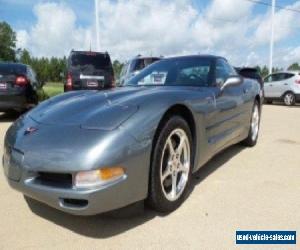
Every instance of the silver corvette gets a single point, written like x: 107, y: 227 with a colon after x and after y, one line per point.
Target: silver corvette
x: 87, y: 152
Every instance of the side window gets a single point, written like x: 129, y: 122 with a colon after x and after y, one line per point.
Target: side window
x: 223, y: 71
x: 278, y: 77
x: 29, y: 73
x: 124, y: 70
x: 195, y: 75
x: 269, y: 78
x: 288, y: 75
x: 32, y: 74
x: 275, y: 77
x: 281, y: 77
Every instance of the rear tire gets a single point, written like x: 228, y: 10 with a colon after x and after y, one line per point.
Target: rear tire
x: 171, y: 166
x: 251, y: 140
x: 289, y: 99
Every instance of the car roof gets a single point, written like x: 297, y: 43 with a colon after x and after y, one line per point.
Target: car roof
x: 197, y: 56
x: 88, y: 51
x: 147, y: 57
x: 288, y: 71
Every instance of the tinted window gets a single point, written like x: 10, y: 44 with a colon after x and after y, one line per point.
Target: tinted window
x: 32, y: 74
x: 124, y: 69
x: 288, y: 75
x: 12, y: 69
x: 268, y: 78
x: 176, y: 71
x: 98, y: 61
x: 139, y: 64
x: 276, y: 77
x: 223, y: 71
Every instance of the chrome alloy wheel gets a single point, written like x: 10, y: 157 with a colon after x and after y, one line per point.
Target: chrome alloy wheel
x: 255, y: 123
x: 175, y: 164
x: 289, y: 99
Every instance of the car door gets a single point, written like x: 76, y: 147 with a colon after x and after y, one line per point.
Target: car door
x: 280, y: 85
x: 275, y: 85
x: 227, y: 123
x: 268, y: 85
x: 286, y: 83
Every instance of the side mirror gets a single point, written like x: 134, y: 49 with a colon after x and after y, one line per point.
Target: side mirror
x: 231, y: 81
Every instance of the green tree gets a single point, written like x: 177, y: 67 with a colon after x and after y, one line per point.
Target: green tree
x: 294, y: 66
x: 7, y: 42
x: 25, y: 57
x: 117, y: 68
x: 263, y: 71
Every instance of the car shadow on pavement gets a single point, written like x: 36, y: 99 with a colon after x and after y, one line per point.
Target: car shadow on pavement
x: 296, y: 105
x: 217, y: 161
x: 97, y: 226
x: 121, y: 220
x: 9, y: 117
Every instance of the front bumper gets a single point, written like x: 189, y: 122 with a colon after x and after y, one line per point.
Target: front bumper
x: 63, y: 149
x: 77, y: 202
x: 130, y: 188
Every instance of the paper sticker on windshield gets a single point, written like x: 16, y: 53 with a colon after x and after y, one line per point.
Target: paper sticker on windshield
x: 159, y: 78
x: 155, y: 78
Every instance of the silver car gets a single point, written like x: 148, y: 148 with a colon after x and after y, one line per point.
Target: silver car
x: 88, y: 152
x: 283, y: 86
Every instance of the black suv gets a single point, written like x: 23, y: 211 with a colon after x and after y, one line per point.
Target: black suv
x: 19, y: 87
x: 89, y: 70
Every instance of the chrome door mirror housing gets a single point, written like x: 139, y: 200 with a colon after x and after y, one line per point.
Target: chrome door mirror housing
x: 231, y: 81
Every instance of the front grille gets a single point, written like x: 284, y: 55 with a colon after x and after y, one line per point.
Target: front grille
x: 54, y: 179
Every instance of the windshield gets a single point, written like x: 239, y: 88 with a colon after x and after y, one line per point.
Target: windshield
x: 195, y: 71
x: 97, y: 61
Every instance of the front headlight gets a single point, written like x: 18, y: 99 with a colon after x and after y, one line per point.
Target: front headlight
x: 99, y: 177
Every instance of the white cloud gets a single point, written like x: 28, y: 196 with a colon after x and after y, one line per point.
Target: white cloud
x: 287, y: 56
x: 285, y: 23
x: 22, y: 39
x: 173, y: 27
x: 55, y: 32
x: 160, y: 27
x: 132, y: 27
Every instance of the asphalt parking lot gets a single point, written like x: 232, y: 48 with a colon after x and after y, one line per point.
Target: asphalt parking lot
x: 240, y: 189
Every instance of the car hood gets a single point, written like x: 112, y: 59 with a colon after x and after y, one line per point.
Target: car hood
x: 105, y: 110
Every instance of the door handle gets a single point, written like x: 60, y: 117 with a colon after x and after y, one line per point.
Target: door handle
x: 285, y: 84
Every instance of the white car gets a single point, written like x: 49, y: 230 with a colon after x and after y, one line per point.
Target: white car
x: 282, y: 86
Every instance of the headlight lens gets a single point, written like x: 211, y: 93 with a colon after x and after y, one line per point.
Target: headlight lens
x: 86, y: 179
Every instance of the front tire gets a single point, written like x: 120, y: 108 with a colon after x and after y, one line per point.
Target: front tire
x: 171, y: 166
x: 251, y: 140
x: 289, y: 99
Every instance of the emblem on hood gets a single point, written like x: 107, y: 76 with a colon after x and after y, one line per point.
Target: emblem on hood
x: 30, y: 130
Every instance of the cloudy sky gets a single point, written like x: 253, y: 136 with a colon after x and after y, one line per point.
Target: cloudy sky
x: 236, y: 29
